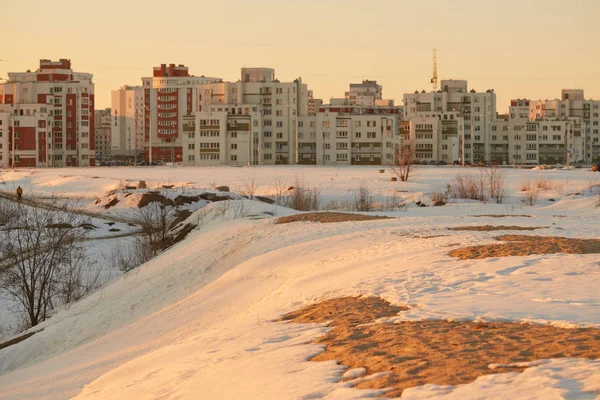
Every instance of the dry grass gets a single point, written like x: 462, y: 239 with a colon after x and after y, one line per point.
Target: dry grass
x: 416, y: 353
x: 503, y: 215
x: 327, y: 217
x: 523, y: 245
x: 487, y: 228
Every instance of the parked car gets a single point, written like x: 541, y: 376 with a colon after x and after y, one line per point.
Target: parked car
x: 596, y: 167
x: 442, y: 162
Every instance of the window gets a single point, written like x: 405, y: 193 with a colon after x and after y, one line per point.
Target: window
x: 342, y: 134
x: 326, y: 124
x: 191, y: 157
x: 191, y: 146
x: 358, y: 135
x: 371, y: 123
x: 233, y: 157
x: 191, y: 135
x: 357, y: 124
x: 341, y: 157
x: 371, y: 135
x: 233, y: 146
x: 279, y: 135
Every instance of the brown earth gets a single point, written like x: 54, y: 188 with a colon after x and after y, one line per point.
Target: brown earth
x: 487, y: 228
x: 437, y: 352
x: 503, y: 215
x: 327, y: 217
x: 523, y: 245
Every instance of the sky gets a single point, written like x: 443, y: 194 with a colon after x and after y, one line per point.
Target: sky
x: 520, y: 48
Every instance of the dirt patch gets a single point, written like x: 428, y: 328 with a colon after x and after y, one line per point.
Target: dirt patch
x: 62, y: 225
x: 327, y: 217
x: 154, y: 197
x: 487, y: 228
x: 180, y: 217
x: 114, y: 230
x: 416, y: 353
x: 182, y: 199
x: 113, y: 202
x: 503, y: 215
x: 523, y: 245
x: 18, y: 339
x: 213, y: 197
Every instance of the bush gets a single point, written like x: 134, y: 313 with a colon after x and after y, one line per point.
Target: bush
x: 363, y: 200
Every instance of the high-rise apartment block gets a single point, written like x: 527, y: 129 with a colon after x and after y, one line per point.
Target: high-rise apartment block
x: 53, y: 96
x: 102, y: 133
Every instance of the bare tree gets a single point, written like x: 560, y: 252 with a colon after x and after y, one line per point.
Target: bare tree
x: 304, y: 199
x: 41, y: 259
x: 280, y: 186
x: 363, y: 200
x: 249, y: 187
x: 495, y: 179
x: 154, y: 219
x: 403, y: 162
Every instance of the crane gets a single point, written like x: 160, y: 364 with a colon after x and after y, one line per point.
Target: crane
x: 434, y: 80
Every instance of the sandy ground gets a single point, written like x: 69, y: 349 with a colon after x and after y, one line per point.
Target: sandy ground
x: 523, y: 245
x: 415, y: 353
x: 487, y: 228
x: 327, y: 217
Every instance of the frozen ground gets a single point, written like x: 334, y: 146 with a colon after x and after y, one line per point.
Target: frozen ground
x: 197, y: 322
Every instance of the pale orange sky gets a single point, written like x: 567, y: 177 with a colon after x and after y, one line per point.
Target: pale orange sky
x: 521, y: 48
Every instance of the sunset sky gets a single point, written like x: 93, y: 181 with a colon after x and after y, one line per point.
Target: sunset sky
x: 528, y: 49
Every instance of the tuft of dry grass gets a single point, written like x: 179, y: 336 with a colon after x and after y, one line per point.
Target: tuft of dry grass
x: 523, y: 245
x: 502, y: 215
x: 488, y: 228
x: 416, y: 353
x: 327, y: 217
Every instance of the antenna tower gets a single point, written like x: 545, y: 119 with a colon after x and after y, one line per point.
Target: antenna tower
x: 434, y: 80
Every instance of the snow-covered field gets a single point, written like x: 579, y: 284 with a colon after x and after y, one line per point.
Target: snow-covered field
x: 197, y: 321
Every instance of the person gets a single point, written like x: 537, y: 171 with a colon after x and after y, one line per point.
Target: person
x: 19, y: 193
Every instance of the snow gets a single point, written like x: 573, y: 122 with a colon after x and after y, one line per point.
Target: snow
x: 198, y: 321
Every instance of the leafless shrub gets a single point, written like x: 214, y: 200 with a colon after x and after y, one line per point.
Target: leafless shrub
x: 128, y: 255
x: 593, y: 181
x: 41, y: 260
x: 439, y: 197
x: 392, y: 203
x: 526, y: 185
x: 495, y: 184
x: 154, y: 219
x: 279, y: 187
x: 249, y: 187
x: 303, y: 199
x: 363, y: 199
x: 239, y: 209
x: 403, y: 162
x: 468, y: 187
x: 530, y: 197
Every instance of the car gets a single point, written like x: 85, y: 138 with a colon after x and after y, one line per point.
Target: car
x: 432, y: 162
x: 442, y: 162
x: 596, y: 167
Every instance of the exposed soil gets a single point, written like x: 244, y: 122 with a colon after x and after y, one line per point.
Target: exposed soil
x: 113, y: 202
x: 180, y: 216
x: 487, y: 228
x: 327, y: 217
x: 503, y: 215
x: 523, y: 245
x: 437, y: 352
x: 154, y: 197
x: 182, y: 199
x: 62, y: 225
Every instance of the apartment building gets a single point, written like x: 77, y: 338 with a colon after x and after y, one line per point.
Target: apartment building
x: 102, y: 133
x: 435, y: 136
x: 255, y: 120
x: 475, y: 109
x: 168, y: 96
x: 585, y: 118
x: 53, y: 96
x: 127, y: 124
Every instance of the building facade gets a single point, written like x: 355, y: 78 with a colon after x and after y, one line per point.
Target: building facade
x: 168, y: 96
x: 475, y: 109
x: 258, y: 120
x: 102, y: 133
x: 53, y: 96
x: 127, y: 122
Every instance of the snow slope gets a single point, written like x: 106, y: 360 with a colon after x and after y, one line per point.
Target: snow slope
x: 197, y: 322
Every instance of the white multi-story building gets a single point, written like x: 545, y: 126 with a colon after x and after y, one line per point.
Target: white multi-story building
x: 53, y: 95
x: 102, y: 133
x: 476, y: 109
x: 585, y: 117
x: 168, y: 96
x: 127, y: 125
x: 258, y: 118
